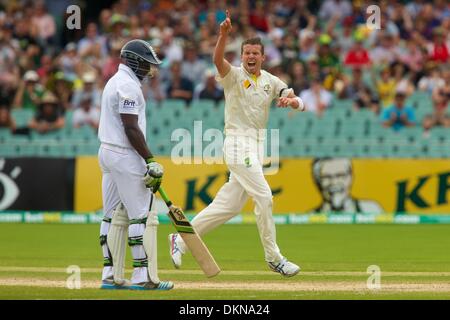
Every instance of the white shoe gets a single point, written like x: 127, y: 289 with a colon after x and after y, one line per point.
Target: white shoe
x: 175, y: 251
x: 285, y: 268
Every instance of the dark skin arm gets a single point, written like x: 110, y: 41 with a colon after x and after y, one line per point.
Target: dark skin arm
x: 135, y: 135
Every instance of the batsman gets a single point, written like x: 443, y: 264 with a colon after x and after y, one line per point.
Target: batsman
x: 130, y: 175
x: 249, y: 92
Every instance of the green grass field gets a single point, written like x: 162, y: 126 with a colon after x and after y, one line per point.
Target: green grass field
x: 414, y: 262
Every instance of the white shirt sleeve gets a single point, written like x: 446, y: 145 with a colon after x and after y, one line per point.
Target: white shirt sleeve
x: 278, y: 86
x: 128, y: 99
x: 230, y: 79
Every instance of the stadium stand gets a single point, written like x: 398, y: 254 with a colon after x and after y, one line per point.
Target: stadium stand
x: 415, y: 56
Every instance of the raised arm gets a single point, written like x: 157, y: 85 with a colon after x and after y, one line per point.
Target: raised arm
x: 222, y: 65
x: 18, y: 98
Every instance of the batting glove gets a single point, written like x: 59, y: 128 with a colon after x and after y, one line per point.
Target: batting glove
x: 153, y: 176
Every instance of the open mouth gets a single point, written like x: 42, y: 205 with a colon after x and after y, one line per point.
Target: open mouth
x: 251, y: 64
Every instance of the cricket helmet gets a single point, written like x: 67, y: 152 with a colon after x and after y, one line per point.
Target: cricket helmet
x: 140, y: 57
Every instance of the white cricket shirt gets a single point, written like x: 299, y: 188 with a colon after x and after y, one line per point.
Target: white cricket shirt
x: 247, y: 102
x: 122, y: 94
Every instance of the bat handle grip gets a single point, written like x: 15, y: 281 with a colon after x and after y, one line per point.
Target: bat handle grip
x: 164, y: 196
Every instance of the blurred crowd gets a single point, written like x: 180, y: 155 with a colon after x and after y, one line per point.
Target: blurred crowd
x: 325, y: 50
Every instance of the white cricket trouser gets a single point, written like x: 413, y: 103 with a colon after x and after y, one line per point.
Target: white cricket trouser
x: 123, y: 170
x: 246, y: 179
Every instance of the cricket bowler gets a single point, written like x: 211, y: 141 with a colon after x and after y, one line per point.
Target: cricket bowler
x: 130, y: 175
x: 249, y: 91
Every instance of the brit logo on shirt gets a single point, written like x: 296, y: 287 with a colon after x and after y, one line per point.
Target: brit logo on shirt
x: 128, y: 103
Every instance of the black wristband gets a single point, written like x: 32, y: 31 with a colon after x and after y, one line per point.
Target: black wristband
x: 281, y: 91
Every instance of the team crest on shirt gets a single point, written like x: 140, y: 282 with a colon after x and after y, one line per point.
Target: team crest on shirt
x: 266, y: 88
x: 247, y: 162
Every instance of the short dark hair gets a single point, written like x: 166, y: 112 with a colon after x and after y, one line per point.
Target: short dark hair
x: 256, y: 40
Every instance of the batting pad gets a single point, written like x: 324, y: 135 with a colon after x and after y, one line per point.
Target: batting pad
x: 117, y: 241
x: 150, y: 245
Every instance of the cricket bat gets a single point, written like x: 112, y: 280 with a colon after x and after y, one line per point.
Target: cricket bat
x: 192, y: 240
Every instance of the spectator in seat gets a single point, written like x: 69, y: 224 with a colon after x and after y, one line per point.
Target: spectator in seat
x: 22, y: 29
x: 43, y: 25
x: 49, y: 116
x: 155, y: 91
x: 92, y: 45
x: 438, y: 50
x: 258, y: 17
x: 431, y: 80
x: 68, y: 61
x: 161, y: 27
x: 308, y: 45
x: 29, y: 92
x: 354, y: 86
x: 171, y: 49
x: 209, y: 90
x: 439, y: 117
x: 344, y: 37
x: 89, y: 87
x: 338, y: 9
x: 386, y: 52
x: 357, y: 56
x: 398, y: 115
x: 9, y: 54
x: 386, y: 87
x: 365, y: 99
x: 63, y: 89
x: 312, y: 68
x: 404, y: 79
x: 360, y: 93
x: 87, y: 113
x: 298, y: 77
x: 192, y: 67
x: 179, y: 87
x: 45, y: 68
x: 413, y: 56
x: 402, y: 19
x: 327, y: 57
x: 336, y: 82
x: 316, y: 98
